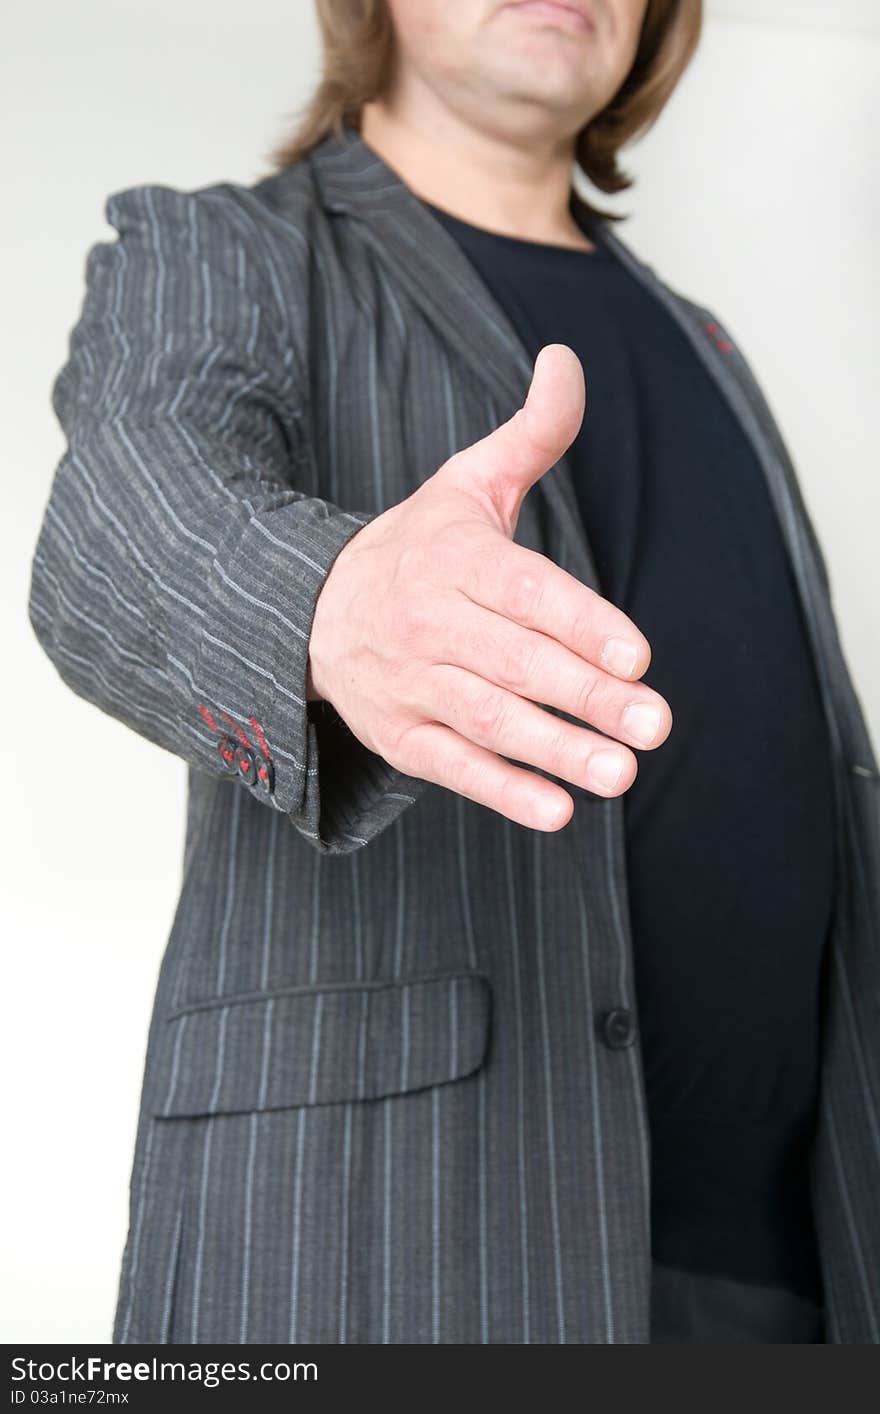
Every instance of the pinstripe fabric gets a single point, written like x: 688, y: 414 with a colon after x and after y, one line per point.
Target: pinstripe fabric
x: 377, y: 1102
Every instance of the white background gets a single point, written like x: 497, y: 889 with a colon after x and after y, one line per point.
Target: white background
x: 757, y: 194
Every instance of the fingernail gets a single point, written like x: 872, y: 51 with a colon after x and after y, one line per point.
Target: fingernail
x: 606, y: 768
x: 619, y: 657
x: 642, y: 721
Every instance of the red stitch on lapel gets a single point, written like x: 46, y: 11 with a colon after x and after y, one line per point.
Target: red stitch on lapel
x: 720, y: 342
x: 208, y: 718
x: 238, y: 731
x: 256, y: 726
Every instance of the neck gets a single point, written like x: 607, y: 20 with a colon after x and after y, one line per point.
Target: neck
x: 515, y: 189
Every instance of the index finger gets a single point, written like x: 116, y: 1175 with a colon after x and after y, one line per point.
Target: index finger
x: 532, y: 590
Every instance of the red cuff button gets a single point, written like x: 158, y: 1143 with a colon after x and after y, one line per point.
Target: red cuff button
x: 265, y: 773
x: 244, y: 764
x: 226, y: 747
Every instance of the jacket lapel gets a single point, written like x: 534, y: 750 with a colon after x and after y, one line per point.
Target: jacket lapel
x: 429, y: 262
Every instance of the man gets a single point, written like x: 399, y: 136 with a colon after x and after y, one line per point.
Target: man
x: 443, y: 1050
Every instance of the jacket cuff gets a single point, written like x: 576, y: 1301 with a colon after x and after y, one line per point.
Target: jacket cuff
x: 296, y: 755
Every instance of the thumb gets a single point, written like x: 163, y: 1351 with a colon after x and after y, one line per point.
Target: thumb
x: 507, y: 462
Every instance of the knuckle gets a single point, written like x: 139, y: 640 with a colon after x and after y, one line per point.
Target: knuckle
x: 487, y: 711
x: 399, y: 746
x: 523, y: 595
x: 507, y: 795
x: 467, y: 775
x: 411, y: 618
x: 583, y: 624
x: 558, y: 748
x: 521, y: 662
x: 591, y: 698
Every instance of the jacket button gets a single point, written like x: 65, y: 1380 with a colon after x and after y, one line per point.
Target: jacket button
x: 226, y: 747
x: 618, y: 1028
x: 265, y: 773
x: 244, y: 764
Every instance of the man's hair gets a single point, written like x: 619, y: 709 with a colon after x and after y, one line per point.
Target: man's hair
x: 358, y: 43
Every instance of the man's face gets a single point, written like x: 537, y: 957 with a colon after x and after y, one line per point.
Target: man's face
x: 519, y: 66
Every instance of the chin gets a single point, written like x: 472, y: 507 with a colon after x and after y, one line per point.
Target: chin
x: 559, y: 93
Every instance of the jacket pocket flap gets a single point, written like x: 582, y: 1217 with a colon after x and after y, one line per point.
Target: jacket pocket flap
x: 321, y: 1045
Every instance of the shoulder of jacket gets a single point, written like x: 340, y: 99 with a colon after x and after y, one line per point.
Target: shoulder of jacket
x: 282, y: 204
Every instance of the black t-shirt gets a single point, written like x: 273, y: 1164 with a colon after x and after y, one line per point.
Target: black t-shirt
x: 729, y: 824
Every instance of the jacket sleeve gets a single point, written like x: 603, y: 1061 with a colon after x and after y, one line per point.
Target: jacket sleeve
x: 178, y: 565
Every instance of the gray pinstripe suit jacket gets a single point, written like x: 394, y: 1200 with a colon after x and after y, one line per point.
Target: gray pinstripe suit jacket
x: 378, y: 1103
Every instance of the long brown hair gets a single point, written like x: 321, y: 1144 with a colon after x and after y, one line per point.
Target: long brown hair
x: 358, y: 42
